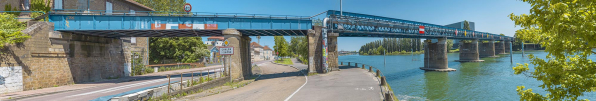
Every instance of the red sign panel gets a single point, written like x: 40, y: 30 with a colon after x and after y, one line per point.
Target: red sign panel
x: 421, y: 29
x: 210, y: 26
x: 158, y: 26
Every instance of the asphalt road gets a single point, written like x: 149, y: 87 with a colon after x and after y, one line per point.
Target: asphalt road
x: 120, y: 87
x: 275, y: 84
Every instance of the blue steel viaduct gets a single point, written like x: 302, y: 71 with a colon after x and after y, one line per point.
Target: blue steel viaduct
x: 322, y: 39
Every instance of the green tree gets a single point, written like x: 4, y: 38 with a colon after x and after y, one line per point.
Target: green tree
x: 566, y: 29
x: 40, y: 5
x: 281, y: 46
x: 10, y: 30
x: 449, y: 44
x: 467, y: 25
x: 380, y: 50
x: 8, y: 7
x: 182, y: 49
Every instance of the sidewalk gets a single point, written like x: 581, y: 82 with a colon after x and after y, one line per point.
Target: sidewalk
x: 349, y: 84
x: 86, y: 85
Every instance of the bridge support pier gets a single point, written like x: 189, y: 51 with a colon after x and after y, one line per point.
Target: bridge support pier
x: 315, y: 51
x: 507, y: 46
x: 488, y: 49
x: 332, y: 51
x: 435, y: 56
x: 500, y: 47
x: 468, y: 52
x: 240, y: 64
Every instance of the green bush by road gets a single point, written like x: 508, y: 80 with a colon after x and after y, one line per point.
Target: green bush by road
x: 286, y: 61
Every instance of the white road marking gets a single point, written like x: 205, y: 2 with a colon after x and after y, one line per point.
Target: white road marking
x: 305, y: 77
x: 120, y: 87
x: 130, y: 85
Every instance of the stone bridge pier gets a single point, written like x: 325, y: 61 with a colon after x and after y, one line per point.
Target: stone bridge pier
x: 468, y: 52
x: 435, y: 55
x: 487, y: 49
x: 500, y: 47
x: 239, y: 64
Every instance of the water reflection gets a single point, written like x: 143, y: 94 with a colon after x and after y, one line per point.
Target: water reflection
x: 437, y: 85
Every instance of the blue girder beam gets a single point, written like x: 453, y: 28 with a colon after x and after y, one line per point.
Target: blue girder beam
x: 363, y: 25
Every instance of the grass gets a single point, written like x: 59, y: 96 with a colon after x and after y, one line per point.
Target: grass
x: 453, y: 50
x: 286, y: 61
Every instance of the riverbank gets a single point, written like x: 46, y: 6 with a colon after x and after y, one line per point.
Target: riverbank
x: 410, y: 53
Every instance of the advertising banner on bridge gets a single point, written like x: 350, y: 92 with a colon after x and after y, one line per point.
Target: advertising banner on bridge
x: 183, y: 26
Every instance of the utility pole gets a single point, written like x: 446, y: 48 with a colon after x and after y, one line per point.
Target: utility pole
x: 341, y: 12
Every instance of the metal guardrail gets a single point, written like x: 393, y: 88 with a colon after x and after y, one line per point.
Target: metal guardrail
x: 165, y: 13
x: 388, y: 96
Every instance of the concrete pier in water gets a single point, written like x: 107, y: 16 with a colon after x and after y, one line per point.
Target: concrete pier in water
x: 468, y: 52
x: 435, y: 56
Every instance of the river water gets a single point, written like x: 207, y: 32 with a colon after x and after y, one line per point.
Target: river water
x: 491, y: 80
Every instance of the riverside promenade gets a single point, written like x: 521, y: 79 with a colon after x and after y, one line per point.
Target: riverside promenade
x: 288, y: 83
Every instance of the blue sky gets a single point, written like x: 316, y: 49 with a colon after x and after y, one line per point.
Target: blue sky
x: 488, y: 15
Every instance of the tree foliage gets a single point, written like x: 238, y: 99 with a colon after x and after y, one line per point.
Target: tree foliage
x: 281, y: 46
x: 391, y: 45
x: 567, y: 30
x: 182, y: 49
x: 10, y: 30
x: 40, y: 5
x: 8, y: 7
x: 467, y: 25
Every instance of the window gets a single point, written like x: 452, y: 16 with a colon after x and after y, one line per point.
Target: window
x: 108, y: 8
x: 58, y: 4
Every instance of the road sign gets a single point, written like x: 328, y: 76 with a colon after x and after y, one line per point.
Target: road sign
x: 226, y: 42
x: 226, y: 51
x: 214, y: 49
x: 187, y: 7
x: 421, y: 29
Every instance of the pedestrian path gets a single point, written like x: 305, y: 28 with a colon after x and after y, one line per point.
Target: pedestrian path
x: 349, y: 84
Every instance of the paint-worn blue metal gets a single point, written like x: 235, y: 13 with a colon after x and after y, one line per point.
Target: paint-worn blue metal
x: 363, y: 25
x: 72, y: 21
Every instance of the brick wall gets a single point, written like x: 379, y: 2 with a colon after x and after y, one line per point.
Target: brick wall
x: 119, y: 5
x: 50, y: 58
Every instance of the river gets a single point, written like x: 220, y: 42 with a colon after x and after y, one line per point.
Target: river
x: 491, y: 80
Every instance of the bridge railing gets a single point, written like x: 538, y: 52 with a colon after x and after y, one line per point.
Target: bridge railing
x: 165, y: 13
x: 388, y: 92
x: 358, y: 23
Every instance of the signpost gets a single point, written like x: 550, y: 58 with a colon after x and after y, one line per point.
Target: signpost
x: 226, y: 42
x: 187, y: 7
x: 227, y: 51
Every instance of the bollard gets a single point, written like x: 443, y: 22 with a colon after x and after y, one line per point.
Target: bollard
x: 342, y: 63
x: 349, y: 63
x: 363, y: 66
x: 369, y: 68
x: 389, y: 96
x: 208, y: 74
x: 192, y: 78
x: 181, y: 81
x: 378, y: 73
x: 383, y: 82
x: 168, y: 84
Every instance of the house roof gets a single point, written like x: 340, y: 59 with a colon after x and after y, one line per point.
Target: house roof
x: 139, y: 4
x: 267, y: 48
x: 216, y: 37
x: 255, y: 45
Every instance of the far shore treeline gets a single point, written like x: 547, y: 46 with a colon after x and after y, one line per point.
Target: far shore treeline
x: 392, y: 46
